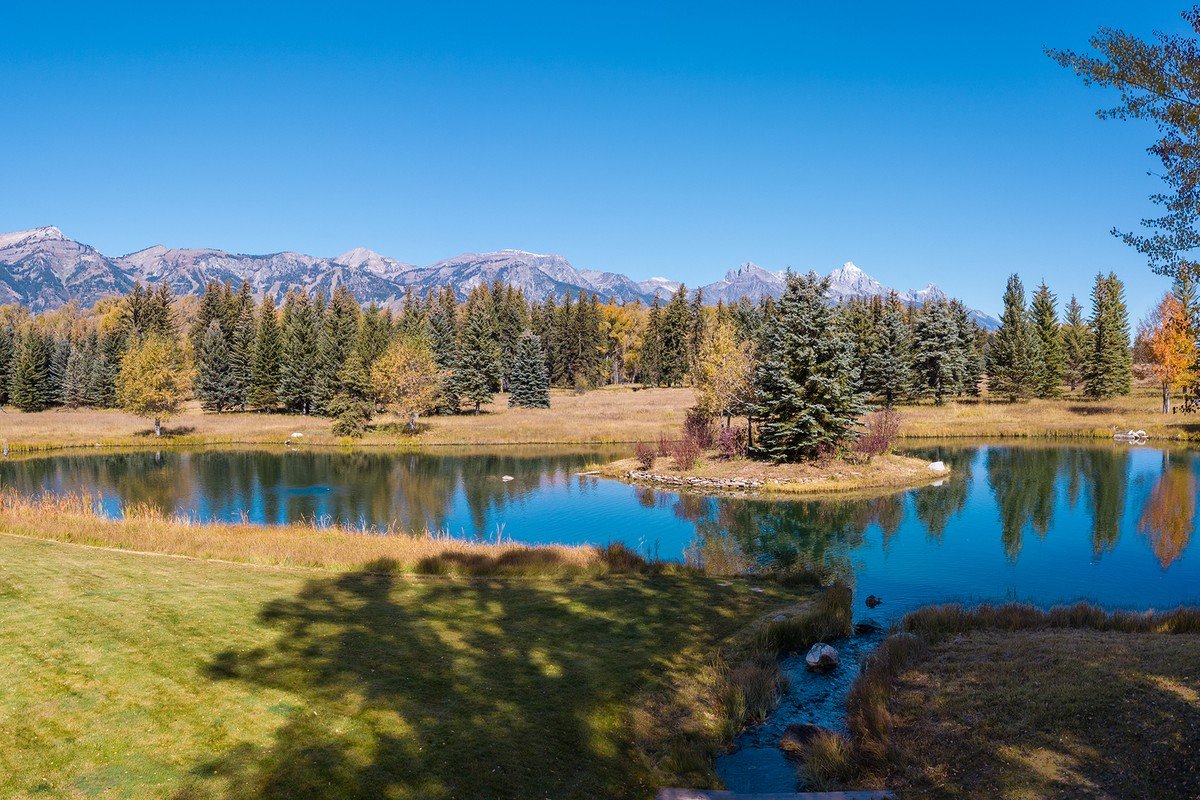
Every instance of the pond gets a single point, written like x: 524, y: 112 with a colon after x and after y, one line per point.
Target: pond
x: 1109, y: 523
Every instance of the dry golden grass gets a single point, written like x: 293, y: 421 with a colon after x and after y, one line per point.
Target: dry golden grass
x: 834, y: 476
x: 611, y: 414
x: 1013, y: 701
x: 74, y: 519
x: 1069, y: 417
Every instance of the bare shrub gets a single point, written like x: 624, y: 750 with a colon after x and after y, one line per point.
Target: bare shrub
x: 685, y: 453
x: 880, y: 431
x: 731, y: 442
x: 645, y: 455
x: 698, y: 426
x: 665, y: 445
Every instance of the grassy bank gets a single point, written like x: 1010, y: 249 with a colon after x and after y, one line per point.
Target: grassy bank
x: 1011, y: 701
x: 143, y: 660
x: 834, y: 476
x: 614, y: 414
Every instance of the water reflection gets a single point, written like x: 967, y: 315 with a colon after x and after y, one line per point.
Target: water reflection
x: 1027, y: 521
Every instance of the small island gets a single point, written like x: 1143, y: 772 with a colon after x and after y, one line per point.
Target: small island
x: 836, y: 475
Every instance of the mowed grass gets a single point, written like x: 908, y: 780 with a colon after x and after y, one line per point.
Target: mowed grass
x: 1014, y: 702
x: 133, y: 675
x: 611, y: 414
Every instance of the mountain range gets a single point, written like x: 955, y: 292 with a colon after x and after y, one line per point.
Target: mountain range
x: 43, y: 269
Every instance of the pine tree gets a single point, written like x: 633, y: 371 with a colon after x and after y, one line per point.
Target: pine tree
x: 1014, y: 360
x: 338, y: 335
x: 970, y: 344
x: 29, y: 387
x: 105, y: 370
x: 375, y: 332
x: 351, y: 407
x: 214, y: 381
x: 530, y: 380
x: 298, y: 353
x: 1076, y: 341
x: 512, y: 318
x: 1108, y: 371
x: 806, y: 386
x: 443, y: 323
x: 61, y: 354
x: 1050, y: 345
x: 673, y: 358
x: 477, y: 368
x: 214, y: 305
x: 268, y: 348
x: 889, y: 373
x: 73, y: 393
x: 241, y: 350
x: 938, y: 358
x: 651, y: 355
x: 8, y: 347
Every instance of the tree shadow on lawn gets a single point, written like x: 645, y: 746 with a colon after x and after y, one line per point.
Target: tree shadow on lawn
x: 456, y: 689
x: 1079, y: 714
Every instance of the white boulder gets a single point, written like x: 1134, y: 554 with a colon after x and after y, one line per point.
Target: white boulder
x: 822, y: 657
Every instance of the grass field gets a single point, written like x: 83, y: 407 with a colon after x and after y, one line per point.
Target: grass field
x: 611, y: 414
x: 130, y: 675
x: 1013, y: 702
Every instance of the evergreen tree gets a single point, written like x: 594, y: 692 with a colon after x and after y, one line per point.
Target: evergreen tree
x: 1108, y: 371
x: 530, y: 379
x: 1050, y: 344
x: 889, y: 372
x: 337, y: 337
x: 1014, y: 360
x: 511, y: 318
x: 1076, y: 342
x: 73, y: 393
x: 214, y: 381
x: 241, y: 349
x: 8, y: 348
x: 61, y: 354
x: 268, y: 352
x: 971, y: 339
x: 297, y: 365
x: 105, y: 370
x: 375, y: 331
x: 351, y: 407
x: 651, y: 357
x: 1185, y: 290
x: 477, y: 369
x: 29, y: 385
x: 938, y: 358
x: 443, y: 323
x: 214, y: 305
x: 676, y: 326
x: 806, y: 386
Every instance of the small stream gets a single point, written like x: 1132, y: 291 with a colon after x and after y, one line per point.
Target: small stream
x: 756, y: 764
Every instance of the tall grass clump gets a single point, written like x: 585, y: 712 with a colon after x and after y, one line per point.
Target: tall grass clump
x: 829, y: 761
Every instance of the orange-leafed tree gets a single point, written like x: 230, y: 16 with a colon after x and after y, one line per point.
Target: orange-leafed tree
x: 1171, y: 341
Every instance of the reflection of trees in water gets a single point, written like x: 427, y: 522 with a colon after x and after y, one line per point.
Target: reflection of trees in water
x: 1169, y: 515
x: 369, y: 489
x: 1106, y: 478
x: 1023, y: 483
x: 936, y: 505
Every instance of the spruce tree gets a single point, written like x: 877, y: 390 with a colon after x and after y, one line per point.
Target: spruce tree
x: 73, y: 392
x: 61, y: 354
x: 1076, y: 341
x: 298, y: 353
x: 673, y: 361
x: 938, y: 358
x: 351, y: 407
x: 477, y: 368
x: 338, y: 335
x: 268, y: 352
x: 1108, y: 371
x: 1050, y: 344
x: 806, y: 387
x: 29, y: 387
x: 214, y: 386
x: 375, y: 332
x: 970, y: 344
x: 214, y: 305
x: 889, y: 372
x: 530, y: 380
x: 651, y: 356
x: 8, y: 348
x: 241, y: 353
x: 1014, y: 360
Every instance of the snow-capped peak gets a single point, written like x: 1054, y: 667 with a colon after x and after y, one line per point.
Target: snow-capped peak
x: 849, y: 281
x: 48, y: 233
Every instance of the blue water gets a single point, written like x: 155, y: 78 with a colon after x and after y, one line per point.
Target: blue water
x: 1109, y: 523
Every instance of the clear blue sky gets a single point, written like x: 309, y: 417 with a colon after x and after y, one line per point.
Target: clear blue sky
x: 924, y: 141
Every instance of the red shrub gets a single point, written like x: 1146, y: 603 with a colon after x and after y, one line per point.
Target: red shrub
x: 698, y: 426
x: 731, y: 442
x: 645, y: 456
x: 665, y: 445
x: 685, y: 453
x: 880, y: 430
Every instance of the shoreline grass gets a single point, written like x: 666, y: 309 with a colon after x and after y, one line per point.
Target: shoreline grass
x: 830, y: 477
x: 1012, y: 700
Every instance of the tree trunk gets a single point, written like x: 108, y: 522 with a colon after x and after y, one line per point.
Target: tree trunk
x: 157, y: 426
x: 412, y: 423
x: 749, y: 432
x: 1166, y: 394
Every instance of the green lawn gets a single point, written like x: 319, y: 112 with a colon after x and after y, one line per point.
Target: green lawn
x: 128, y: 675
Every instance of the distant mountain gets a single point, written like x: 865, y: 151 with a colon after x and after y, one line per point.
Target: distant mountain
x: 44, y: 269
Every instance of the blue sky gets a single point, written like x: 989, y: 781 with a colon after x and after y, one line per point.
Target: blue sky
x: 925, y: 142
